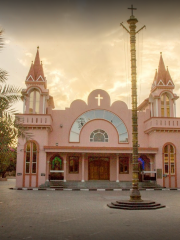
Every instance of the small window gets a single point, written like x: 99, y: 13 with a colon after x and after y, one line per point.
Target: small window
x: 124, y: 165
x: 98, y: 136
x: 74, y: 164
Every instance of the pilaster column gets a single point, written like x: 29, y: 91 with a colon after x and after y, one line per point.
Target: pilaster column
x: 151, y: 109
x: 43, y: 104
x: 156, y: 107
x: 82, y: 178
x: 47, y: 171
x: 174, y: 108
x: 117, y: 167
x: 151, y: 167
x: 65, y: 165
x: 24, y: 104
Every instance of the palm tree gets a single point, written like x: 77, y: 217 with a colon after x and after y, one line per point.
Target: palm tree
x: 10, y: 127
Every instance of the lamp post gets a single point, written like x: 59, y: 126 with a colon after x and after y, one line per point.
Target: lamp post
x: 135, y: 193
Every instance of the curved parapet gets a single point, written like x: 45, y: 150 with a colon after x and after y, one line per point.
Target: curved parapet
x: 96, y: 115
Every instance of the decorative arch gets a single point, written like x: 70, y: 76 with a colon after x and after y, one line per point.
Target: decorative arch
x: 32, y: 88
x: 86, y: 117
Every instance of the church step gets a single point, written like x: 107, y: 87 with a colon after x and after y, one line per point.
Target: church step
x: 100, y: 184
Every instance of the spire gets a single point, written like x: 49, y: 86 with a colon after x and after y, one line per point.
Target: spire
x: 162, y: 76
x: 169, y: 80
x: 36, y: 72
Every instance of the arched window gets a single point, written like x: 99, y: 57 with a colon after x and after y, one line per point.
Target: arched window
x: 169, y: 160
x: 31, y: 158
x: 165, y: 105
x: 99, y: 136
x: 34, y: 102
x: 88, y: 116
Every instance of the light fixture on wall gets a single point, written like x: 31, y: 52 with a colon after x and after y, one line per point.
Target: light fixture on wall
x: 56, y: 144
x: 61, y: 125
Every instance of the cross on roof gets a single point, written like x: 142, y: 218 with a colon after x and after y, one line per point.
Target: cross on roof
x: 99, y: 98
x: 132, y: 9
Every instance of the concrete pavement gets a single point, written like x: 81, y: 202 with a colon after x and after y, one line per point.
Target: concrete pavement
x: 71, y: 215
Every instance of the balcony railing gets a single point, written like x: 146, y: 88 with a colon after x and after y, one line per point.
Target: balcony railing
x: 162, y: 124
x: 35, y: 120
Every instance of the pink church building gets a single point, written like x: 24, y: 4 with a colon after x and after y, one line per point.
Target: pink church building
x: 93, y: 140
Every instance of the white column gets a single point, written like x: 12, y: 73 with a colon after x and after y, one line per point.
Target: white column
x: 156, y: 107
x: 65, y: 164
x: 174, y: 108
x: 47, y: 171
x: 151, y: 109
x: 117, y: 167
x: 82, y: 179
x: 24, y: 104
x: 44, y: 104
x: 151, y: 169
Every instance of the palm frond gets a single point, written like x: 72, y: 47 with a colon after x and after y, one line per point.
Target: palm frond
x: 3, y: 74
x: 1, y: 39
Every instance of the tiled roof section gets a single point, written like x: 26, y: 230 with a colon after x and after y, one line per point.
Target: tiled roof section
x: 162, y: 76
x: 36, y: 69
x: 31, y: 76
x: 168, y: 77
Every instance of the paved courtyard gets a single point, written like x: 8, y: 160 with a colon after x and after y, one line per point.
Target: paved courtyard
x: 84, y: 215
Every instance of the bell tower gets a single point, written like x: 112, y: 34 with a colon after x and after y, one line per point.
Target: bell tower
x: 36, y: 96
x: 162, y: 99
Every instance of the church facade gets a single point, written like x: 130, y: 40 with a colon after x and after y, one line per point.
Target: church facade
x: 93, y: 140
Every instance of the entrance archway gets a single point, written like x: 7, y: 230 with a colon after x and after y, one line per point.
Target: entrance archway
x: 56, y: 168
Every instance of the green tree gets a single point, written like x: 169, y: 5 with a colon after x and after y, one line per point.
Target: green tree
x: 10, y: 127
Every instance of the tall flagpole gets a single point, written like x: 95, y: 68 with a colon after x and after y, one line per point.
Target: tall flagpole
x: 135, y: 193
x: 135, y: 202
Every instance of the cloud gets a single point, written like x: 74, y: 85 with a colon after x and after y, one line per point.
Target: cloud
x: 22, y: 62
x: 29, y: 54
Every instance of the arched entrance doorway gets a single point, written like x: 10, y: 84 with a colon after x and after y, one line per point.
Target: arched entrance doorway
x: 56, y: 168
x: 169, y: 166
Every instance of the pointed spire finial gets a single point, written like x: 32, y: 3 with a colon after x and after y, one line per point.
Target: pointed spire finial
x: 37, y: 47
x: 161, y: 53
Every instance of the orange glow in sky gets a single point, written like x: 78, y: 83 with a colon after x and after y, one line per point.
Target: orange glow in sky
x: 83, y: 47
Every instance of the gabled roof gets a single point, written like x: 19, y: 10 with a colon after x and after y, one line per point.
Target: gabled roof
x: 162, y: 76
x: 36, y: 72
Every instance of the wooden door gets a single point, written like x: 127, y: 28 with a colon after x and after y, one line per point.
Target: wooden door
x: 98, y: 168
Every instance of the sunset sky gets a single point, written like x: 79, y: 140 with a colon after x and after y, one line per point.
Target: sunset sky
x: 83, y: 47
